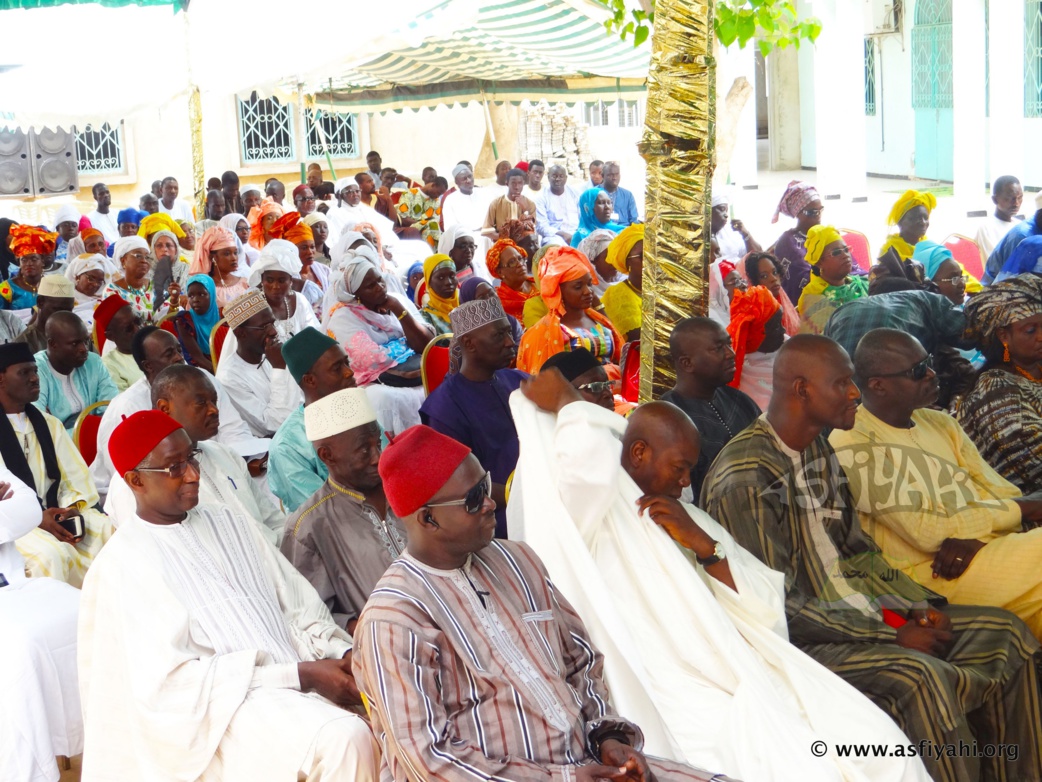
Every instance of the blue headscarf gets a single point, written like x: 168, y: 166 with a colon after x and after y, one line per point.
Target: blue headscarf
x: 931, y: 255
x: 130, y: 215
x: 1026, y: 258
x: 416, y: 267
x: 204, y: 324
x: 588, y: 222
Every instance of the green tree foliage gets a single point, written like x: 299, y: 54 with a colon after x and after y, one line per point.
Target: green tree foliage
x: 770, y: 23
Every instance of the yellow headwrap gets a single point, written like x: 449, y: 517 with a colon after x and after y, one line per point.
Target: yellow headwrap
x: 436, y: 303
x: 818, y: 238
x: 910, y: 200
x: 622, y: 244
x: 160, y: 222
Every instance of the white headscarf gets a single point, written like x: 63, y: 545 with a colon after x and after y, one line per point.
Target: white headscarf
x: 67, y: 213
x: 340, y: 251
x: 450, y: 235
x: 277, y: 255
x: 125, y: 244
x: 88, y: 263
x: 358, y: 263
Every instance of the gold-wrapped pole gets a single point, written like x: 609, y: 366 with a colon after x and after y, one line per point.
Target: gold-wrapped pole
x: 195, y: 122
x: 677, y: 144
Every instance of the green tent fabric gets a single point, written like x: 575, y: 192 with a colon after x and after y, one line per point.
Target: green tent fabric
x: 7, y: 5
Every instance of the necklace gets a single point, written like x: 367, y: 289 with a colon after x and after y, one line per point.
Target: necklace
x: 1021, y: 371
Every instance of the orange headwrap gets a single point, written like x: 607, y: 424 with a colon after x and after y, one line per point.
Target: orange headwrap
x: 30, y: 240
x: 257, y: 215
x: 492, y: 256
x: 561, y: 264
x: 85, y: 235
x: 290, y: 228
x: 750, y: 311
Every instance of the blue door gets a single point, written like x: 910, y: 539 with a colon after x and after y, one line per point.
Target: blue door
x: 932, y: 89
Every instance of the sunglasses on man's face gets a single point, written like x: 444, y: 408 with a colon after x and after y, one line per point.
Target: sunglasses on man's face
x: 917, y: 372
x: 596, y: 388
x: 474, y: 499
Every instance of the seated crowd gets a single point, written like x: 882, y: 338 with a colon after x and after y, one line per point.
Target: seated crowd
x: 228, y: 465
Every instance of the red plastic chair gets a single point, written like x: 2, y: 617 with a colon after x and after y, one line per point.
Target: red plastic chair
x: 85, y: 434
x: 630, y: 371
x: 859, y: 247
x: 217, y: 337
x: 434, y: 364
x: 967, y: 252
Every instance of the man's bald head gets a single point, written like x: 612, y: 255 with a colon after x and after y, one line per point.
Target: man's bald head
x: 64, y: 323
x: 880, y: 351
x: 186, y: 394
x: 700, y: 349
x: 813, y: 385
x: 660, y: 448
x: 175, y: 378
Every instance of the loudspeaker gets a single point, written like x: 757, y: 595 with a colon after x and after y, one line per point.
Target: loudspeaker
x: 15, y: 163
x: 54, y: 161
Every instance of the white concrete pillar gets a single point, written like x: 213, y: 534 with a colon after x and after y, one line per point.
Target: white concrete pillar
x: 731, y: 64
x: 1006, y: 123
x: 839, y: 115
x: 783, y: 109
x: 969, y: 164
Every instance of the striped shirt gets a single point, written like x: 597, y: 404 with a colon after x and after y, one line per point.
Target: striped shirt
x: 484, y: 672
x: 794, y: 511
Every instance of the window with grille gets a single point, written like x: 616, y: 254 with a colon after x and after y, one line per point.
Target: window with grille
x: 266, y: 131
x: 99, y: 150
x: 597, y: 114
x: 340, y: 132
x: 870, y: 77
x: 1033, y: 58
x: 629, y: 114
x: 932, y: 55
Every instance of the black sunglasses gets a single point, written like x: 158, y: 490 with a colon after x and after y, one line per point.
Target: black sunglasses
x: 474, y: 499
x: 917, y: 372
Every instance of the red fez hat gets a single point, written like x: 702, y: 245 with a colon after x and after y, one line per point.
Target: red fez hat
x: 104, y: 312
x: 300, y: 189
x: 416, y: 465
x: 137, y: 436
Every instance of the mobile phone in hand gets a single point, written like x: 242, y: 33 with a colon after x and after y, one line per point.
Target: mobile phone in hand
x: 73, y: 524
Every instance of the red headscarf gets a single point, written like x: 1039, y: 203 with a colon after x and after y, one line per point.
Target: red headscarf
x: 30, y: 240
x: 750, y: 311
x: 290, y: 228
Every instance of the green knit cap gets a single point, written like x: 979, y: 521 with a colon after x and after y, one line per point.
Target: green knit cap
x: 303, y: 350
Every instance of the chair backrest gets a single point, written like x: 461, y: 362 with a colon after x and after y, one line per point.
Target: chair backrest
x: 967, y: 252
x: 434, y: 364
x: 94, y: 337
x: 85, y: 434
x: 218, y: 335
x: 630, y: 371
x: 859, y: 247
x: 166, y: 323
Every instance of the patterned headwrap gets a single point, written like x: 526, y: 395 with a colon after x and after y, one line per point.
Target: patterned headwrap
x: 908, y: 201
x: 795, y: 199
x: 159, y: 222
x: 596, y: 243
x: 621, y: 245
x: 475, y: 314
x: 290, y: 228
x: 818, y: 238
x: 492, y: 256
x: 1001, y: 304
x: 357, y: 264
x: 516, y: 230
x: 212, y: 240
x: 750, y: 311
x: 30, y: 240
x: 931, y: 255
x: 242, y: 308
x: 561, y: 264
x: 435, y: 302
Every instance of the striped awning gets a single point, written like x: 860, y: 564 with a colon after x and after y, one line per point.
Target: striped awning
x: 545, y: 47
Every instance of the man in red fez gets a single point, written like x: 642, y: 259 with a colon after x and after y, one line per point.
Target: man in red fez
x: 206, y: 653
x: 471, y: 662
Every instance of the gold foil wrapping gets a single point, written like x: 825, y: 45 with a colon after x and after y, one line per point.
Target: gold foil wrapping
x: 678, y: 146
x: 195, y: 121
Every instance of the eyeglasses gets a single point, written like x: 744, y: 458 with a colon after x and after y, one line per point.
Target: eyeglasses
x: 813, y: 212
x: 917, y: 372
x: 474, y: 499
x: 304, y: 198
x: 137, y: 256
x: 839, y: 252
x: 262, y: 327
x: 177, y: 469
x: 957, y: 280
x: 596, y: 388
